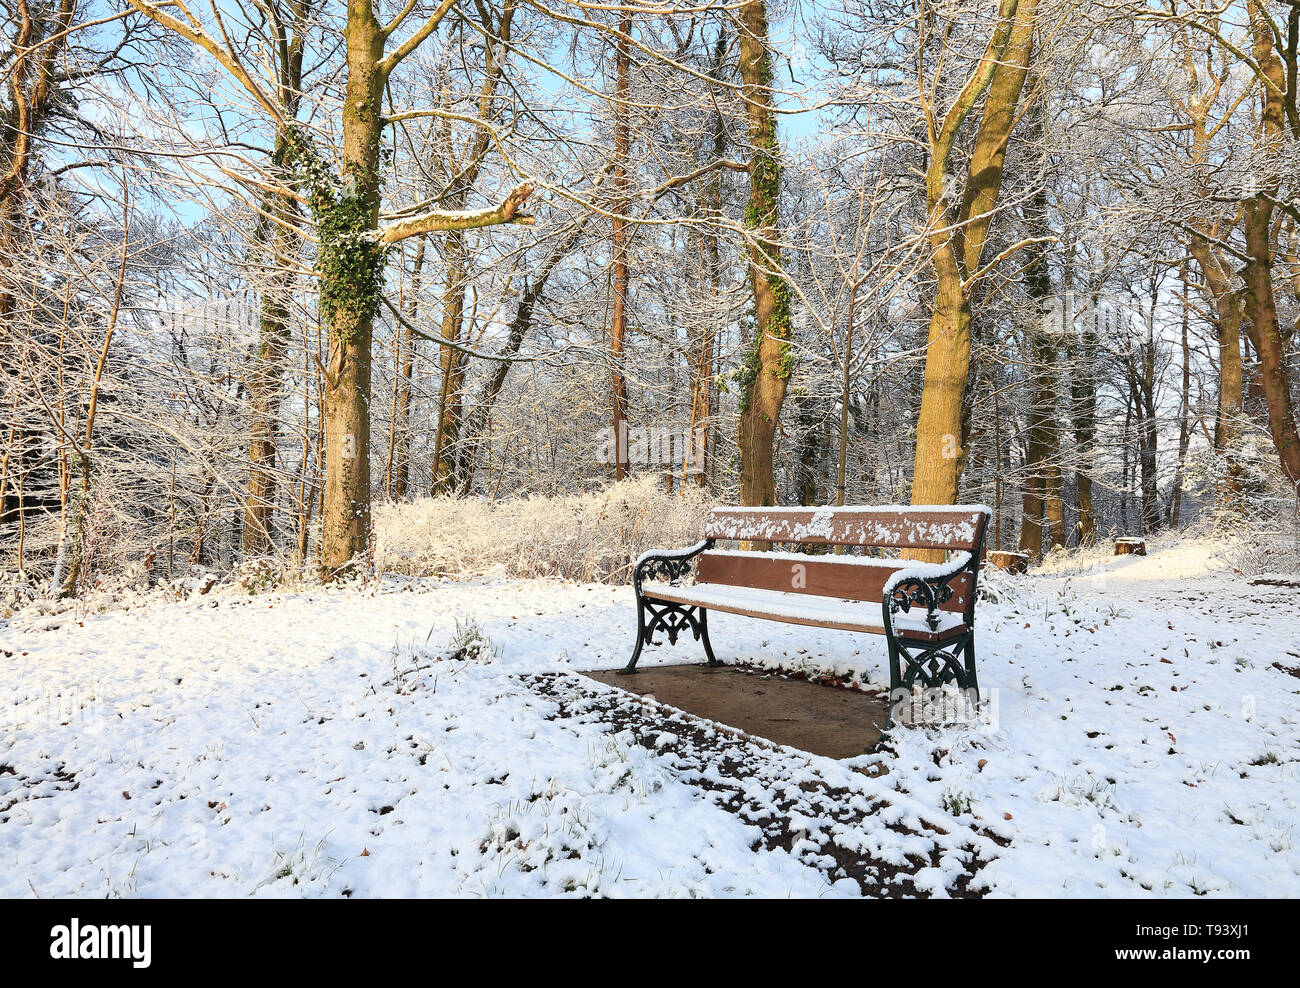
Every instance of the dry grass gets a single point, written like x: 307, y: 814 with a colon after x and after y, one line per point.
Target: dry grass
x: 591, y: 538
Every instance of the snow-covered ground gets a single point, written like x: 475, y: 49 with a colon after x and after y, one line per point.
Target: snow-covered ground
x: 1146, y: 742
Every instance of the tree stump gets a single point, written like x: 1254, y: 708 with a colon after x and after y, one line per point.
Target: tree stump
x: 1130, y: 547
x: 1014, y: 563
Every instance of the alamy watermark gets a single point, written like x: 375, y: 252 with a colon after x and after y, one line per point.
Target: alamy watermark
x: 81, y: 708
x: 939, y: 706
x: 671, y: 447
x: 102, y: 941
x: 235, y: 318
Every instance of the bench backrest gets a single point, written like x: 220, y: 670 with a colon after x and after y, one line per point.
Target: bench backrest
x: 959, y: 528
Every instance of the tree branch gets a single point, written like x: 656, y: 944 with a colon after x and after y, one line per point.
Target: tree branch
x: 414, y: 41
x: 441, y: 220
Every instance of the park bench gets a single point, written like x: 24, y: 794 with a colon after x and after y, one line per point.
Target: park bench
x: 926, y: 610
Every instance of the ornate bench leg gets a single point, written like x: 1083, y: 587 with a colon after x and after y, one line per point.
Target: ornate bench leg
x: 704, y: 637
x: 895, y: 683
x: 630, y: 668
x: 972, y: 683
x: 671, y: 619
x: 933, y: 665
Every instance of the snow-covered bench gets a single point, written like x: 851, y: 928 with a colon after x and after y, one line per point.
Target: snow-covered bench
x: 927, y: 610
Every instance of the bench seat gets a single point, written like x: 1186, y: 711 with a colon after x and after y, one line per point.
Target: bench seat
x: 806, y: 609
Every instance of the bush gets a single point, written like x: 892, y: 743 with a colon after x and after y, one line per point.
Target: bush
x: 589, y: 538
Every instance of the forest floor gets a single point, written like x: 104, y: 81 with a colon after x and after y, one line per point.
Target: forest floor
x: 1143, y: 740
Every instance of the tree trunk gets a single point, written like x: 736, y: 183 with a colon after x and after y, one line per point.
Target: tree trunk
x: 278, y: 243
x: 1147, y: 440
x: 702, y: 389
x: 1265, y: 337
x: 1031, y: 505
x: 39, y: 40
x: 448, y: 457
x: 1184, y: 413
x: 1140, y: 366
x: 958, y: 240
x: 622, y: 274
x: 1083, y: 414
x: 451, y: 361
x: 1053, y: 505
x: 809, y: 447
x: 997, y: 469
x: 702, y: 393
x: 345, y: 520
x: 846, y: 396
x: 1044, y: 509
x: 1261, y: 308
x: 1227, y: 328
x: 1087, y: 518
x: 402, y: 469
x: 84, y: 456
x: 770, y: 359
x: 1124, y: 473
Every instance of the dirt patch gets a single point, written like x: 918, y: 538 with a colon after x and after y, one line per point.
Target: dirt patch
x: 825, y: 720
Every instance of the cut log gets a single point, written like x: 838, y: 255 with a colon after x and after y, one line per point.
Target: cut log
x: 1014, y: 563
x: 1130, y: 547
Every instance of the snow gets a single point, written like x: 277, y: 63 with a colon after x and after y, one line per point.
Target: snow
x: 1145, y: 739
x: 671, y: 553
x: 916, y: 620
x: 803, y: 557
x: 888, y: 525
x: 927, y: 571
x: 866, y: 511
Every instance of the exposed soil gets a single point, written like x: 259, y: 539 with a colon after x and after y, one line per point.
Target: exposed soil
x: 826, y: 720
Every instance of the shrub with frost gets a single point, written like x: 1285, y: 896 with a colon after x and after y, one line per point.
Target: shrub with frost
x: 592, y: 537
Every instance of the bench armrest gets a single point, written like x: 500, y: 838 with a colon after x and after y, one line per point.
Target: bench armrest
x: 923, y: 583
x: 669, y: 564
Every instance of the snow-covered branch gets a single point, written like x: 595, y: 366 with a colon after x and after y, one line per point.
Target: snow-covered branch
x: 509, y: 210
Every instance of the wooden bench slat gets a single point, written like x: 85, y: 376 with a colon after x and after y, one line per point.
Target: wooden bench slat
x: 850, y: 578
x: 838, y: 615
x: 923, y: 527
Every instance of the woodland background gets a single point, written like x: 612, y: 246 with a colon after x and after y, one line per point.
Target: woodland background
x: 304, y: 286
